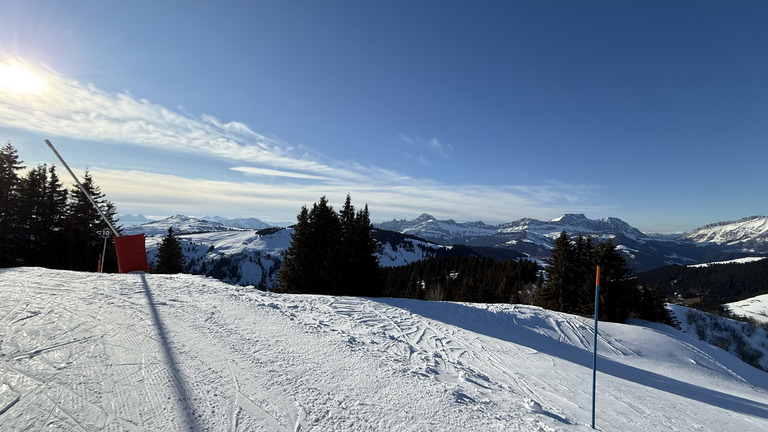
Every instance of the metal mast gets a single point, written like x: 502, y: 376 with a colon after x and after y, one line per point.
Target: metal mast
x: 82, y: 188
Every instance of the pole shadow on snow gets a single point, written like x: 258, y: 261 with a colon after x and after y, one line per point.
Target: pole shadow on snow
x: 179, y: 385
x: 476, y: 320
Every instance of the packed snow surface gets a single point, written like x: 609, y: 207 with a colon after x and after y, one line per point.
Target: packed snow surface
x: 83, y: 351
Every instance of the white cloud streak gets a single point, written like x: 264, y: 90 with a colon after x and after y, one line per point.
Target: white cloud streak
x: 281, y: 202
x: 276, y: 173
x: 82, y: 111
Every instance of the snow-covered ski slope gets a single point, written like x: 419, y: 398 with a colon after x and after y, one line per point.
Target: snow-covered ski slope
x: 85, y: 352
x: 755, y: 307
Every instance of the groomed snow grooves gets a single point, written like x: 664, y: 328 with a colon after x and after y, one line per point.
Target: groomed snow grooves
x: 84, y: 352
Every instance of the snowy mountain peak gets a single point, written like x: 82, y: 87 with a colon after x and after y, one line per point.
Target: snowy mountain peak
x: 570, y: 218
x: 425, y: 217
x: 609, y: 224
x: 128, y: 219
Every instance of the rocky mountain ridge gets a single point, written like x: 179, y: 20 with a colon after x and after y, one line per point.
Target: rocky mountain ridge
x: 725, y: 240
x: 745, y: 233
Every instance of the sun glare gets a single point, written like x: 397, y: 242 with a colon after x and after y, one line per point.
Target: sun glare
x: 17, y: 79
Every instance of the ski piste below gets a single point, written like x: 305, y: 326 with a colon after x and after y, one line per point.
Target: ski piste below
x: 87, y: 351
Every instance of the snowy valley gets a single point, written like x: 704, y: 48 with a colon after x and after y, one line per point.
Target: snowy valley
x: 227, y: 250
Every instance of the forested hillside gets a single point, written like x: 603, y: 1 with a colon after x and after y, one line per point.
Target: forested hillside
x: 708, y: 287
x: 463, y: 278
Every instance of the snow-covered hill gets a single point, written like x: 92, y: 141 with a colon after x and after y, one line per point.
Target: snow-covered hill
x: 236, y: 257
x: 755, y: 308
x: 253, y: 257
x: 750, y: 233
x: 83, y: 351
x: 745, y: 340
x: 733, y: 261
x: 181, y: 225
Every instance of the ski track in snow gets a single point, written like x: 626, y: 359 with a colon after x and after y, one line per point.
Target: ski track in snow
x: 84, y: 352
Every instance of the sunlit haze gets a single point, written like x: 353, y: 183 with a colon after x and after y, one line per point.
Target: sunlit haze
x: 17, y: 79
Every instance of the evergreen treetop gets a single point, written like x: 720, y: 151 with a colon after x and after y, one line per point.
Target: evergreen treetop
x: 10, y: 236
x: 170, y: 258
x: 83, y: 224
x: 570, y: 283
x: 331, y: 253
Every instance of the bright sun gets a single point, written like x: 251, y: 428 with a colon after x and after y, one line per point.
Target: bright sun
x: 16, y: 78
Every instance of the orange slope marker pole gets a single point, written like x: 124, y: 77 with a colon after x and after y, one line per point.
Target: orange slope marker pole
x: 594, y: 345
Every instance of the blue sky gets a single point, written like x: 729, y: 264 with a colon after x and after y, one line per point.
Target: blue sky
x: 654, y: 112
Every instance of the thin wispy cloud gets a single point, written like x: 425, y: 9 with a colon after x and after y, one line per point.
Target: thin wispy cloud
x: 266, y: 172
x: 421, y: 150
x: 68, y: 108
x: 274, y: 201
x: 73, y: 109
x: 432, y: 143
x: 442, y: 148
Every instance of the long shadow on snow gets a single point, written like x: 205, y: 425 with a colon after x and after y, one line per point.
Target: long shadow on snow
x: 477, y: 320
x: 179, y: 386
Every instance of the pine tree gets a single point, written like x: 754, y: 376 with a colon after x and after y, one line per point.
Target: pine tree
x: 585, y: 271
x: 325, y: 233
x: 295, y: 271
x: 83, y: 224
x: 652, y: 308
x: 170, y: 259
x: 31, y: 209
x: 331, y: 253
x: 41, y: 214
x: 570, y: 280
x: 55, y: 217
x: 347, y: 261
x: 362, y: 277
x: 10, y: 240
x: 619, y: 294
x: 560, y: 291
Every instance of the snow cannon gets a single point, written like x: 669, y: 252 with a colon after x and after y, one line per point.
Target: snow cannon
x: 131, y: 250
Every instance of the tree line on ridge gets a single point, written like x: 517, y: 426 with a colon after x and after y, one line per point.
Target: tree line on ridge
x: 43, y: 224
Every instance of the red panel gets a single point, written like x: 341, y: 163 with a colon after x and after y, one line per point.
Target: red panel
x: 131, y: 253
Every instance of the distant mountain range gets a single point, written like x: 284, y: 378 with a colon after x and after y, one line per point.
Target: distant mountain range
x: 531, y: 237
x: 530, y: 231
x: 244, y: 223
x: 747, y: 233
x: 188, y: 224
x: 725, y: 240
